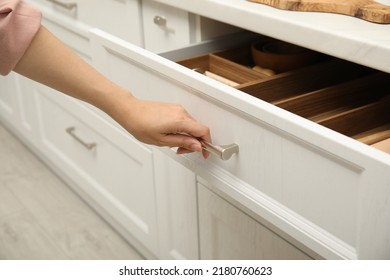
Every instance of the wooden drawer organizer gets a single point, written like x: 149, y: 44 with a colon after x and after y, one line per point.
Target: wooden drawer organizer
x: 348, y: 98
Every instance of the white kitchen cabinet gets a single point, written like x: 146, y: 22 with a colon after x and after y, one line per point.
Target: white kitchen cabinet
x: 318, y: 189
x: 119, y: 17
x: 176, y: 204
x: 102, y: 162
x: 115, y: 173
x: 166, y: 28
x: 323, y: 189
x: 226, y: 232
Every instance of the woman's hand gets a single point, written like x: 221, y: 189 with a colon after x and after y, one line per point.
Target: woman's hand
x: 162, y: 124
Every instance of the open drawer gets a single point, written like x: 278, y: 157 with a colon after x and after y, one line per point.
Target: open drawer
x: 324, y: 189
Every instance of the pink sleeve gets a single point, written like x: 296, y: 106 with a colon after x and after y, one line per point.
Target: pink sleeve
x: 19, y: 22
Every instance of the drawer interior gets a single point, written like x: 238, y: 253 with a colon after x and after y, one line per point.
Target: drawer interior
x: 349, y: 98
x: 224, y: 70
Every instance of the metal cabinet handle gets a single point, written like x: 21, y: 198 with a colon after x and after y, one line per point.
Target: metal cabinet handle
x: 160, y: 21
x: 70, y: 131
x: 69, y: 6
x: 224, y: 152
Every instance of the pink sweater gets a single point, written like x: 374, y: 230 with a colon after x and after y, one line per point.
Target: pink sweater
x: 19, y: 22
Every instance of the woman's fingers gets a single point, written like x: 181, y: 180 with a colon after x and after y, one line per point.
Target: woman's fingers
x: 185, y: 143
x: 163, y: 124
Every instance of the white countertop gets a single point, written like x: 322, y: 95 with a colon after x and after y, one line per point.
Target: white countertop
x: 341, y: 36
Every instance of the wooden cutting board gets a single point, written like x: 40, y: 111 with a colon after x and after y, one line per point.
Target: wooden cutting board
x: 364, y: 9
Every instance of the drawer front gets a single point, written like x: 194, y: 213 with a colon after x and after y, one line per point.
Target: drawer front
x: 165, y: 28
x: 318, y: 186
x: 176, y: 200
x: 121, y: 18
x: 118, y: 178
x: 228, y: 233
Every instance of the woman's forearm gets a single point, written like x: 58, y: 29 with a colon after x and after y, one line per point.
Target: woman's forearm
x: 50, y: 62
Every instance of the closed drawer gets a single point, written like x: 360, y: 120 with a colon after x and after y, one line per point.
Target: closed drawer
x: 121, y: 18
x: 165, y: 27
x: 114, y: 171
x: 326, y: 190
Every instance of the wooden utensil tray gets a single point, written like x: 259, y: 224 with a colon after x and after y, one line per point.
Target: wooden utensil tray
x: 224, y: 68
x: 348, y: 98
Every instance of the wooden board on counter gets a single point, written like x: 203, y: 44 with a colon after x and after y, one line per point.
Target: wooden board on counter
x: 364, y: 9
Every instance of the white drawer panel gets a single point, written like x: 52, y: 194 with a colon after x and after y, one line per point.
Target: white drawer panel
x: 165, y: 28
x: 324, y: 189
x: 118, y: 178
x: 228, y: 233
x: 119, y: 17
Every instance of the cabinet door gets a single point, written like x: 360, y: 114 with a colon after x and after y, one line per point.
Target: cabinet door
x: 176, y: 209
x: 225, y: 232
x: 109, y: 168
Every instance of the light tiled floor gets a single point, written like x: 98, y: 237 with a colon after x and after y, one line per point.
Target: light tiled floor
x: 41, y: 218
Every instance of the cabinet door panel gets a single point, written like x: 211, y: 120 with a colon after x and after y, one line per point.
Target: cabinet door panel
x: 176, y: 209
x: 228, y: 233
x: 118, y: 178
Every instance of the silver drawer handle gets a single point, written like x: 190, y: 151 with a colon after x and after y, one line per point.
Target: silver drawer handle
x: 224, y: 152
x: 70, y: 131
x: 160, y: 21
x: 69, y: 6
